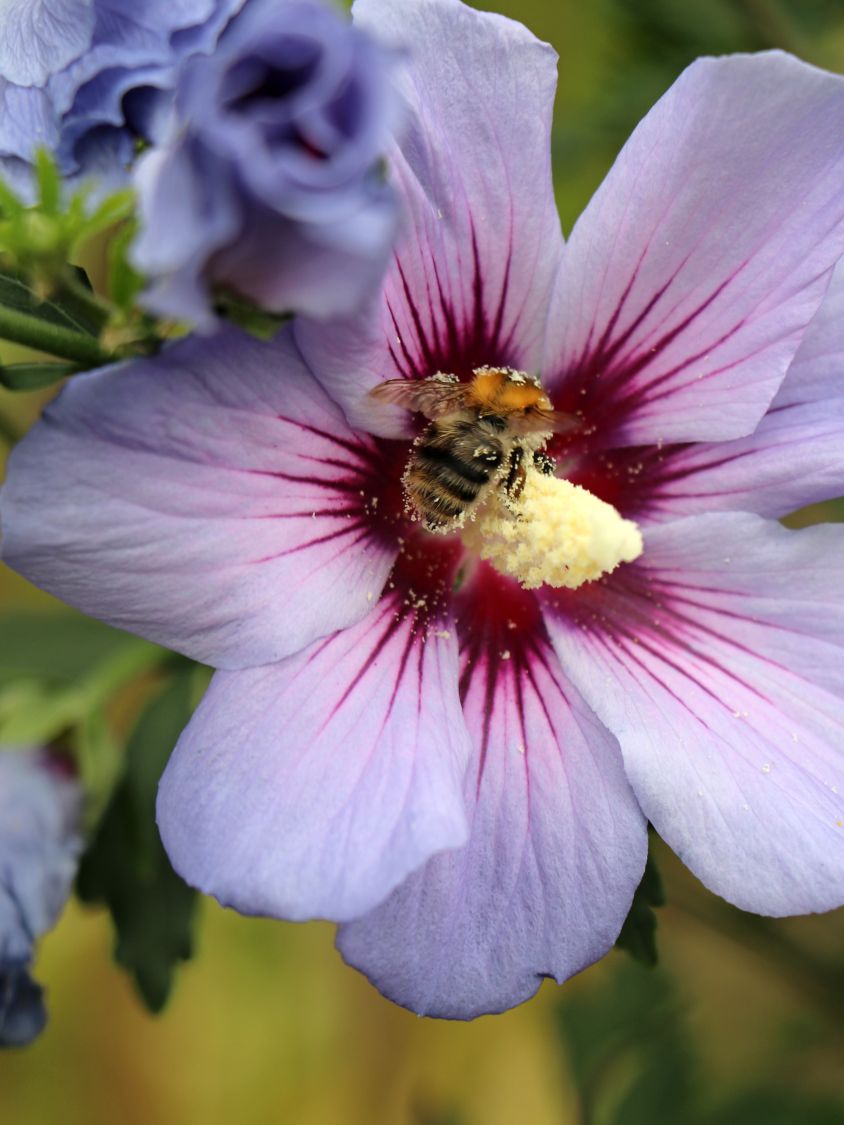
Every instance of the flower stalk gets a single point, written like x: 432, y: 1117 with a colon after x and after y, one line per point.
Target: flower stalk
x: 43, y: 336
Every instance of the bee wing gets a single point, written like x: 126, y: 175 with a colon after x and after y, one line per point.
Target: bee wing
x: 430, y: 397
x: 561, y: 423
x: 538, y: 420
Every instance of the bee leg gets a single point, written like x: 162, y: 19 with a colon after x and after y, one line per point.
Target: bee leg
x: 544, y: 463
x: 515, y: 480
x: 489, y: 455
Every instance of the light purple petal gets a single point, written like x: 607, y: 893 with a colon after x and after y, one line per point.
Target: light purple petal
x: 718, y: 665
x: 283, y: 203
x: 40, y: 810
x: 123, y: 83
x: 557, y: 848
x: 796, y: 454
x: 689, y: 279
x: 22, y: 1013
x: 27, y: 121
x: 132, y: 36
x: 189, y: 208
x: 321, y: 269
x: 40, y: 842
x: 817, y: 372
x: 211, y: 499
x: 481, y: 242
x: 101, y: 162
x: 40, y: 37
x: 311, y: 788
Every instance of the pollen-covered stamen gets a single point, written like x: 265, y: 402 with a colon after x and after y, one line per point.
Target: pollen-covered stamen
x: 554, y: 533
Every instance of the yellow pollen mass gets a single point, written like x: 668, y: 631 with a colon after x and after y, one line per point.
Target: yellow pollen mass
x: 555, y: 534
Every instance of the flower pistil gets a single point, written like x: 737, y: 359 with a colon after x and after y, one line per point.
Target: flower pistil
x: 555, y: 533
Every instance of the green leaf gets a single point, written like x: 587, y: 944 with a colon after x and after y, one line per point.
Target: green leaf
x: 10, y: 204
x: 80, y: 277
x: 126, y: 866
x: 779, y: 1107
x: 257, y: 322
x: 638, y: 934
x: 99, y: 760
x: 36, y: 330
x: 629, y: 1049
x: 42, y: 237
x: 49, y: 182
x: 124, y: 282
x: 34, y: 376
x: 113, y: 209
x: 58, y: 668
x: 17, y: 292
x: 59, y: 646
x: 32, y: 713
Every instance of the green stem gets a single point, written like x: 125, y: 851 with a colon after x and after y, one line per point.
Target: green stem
x: 76, y: 298
x: 126, y: 665
x: 43, y: 336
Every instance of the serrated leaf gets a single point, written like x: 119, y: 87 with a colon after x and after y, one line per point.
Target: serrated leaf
x: 126, y: 866
x: 34, y: 376
x: 638, y: 934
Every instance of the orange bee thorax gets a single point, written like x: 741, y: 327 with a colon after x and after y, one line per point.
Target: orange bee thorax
x: 497, y: 390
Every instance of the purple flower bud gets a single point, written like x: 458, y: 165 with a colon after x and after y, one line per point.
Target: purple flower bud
x: 85, y: 77
x: 39, y: 845
x: 269, y: 186
x: 22, y: 1012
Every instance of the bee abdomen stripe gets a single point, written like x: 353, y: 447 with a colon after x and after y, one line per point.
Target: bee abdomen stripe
x: 445, y: 481
x: 436, y: 455
x: 440, y: 502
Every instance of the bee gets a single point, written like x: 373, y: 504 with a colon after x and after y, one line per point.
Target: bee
x: 479, y: 435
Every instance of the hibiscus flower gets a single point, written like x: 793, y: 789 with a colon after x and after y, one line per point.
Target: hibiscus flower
x: 402, y: 737
x: 88, y: 77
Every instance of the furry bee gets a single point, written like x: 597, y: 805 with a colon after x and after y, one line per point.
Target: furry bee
x: 479, y: 434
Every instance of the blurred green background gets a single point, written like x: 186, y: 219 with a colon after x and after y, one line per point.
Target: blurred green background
x: 741, y: 1022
